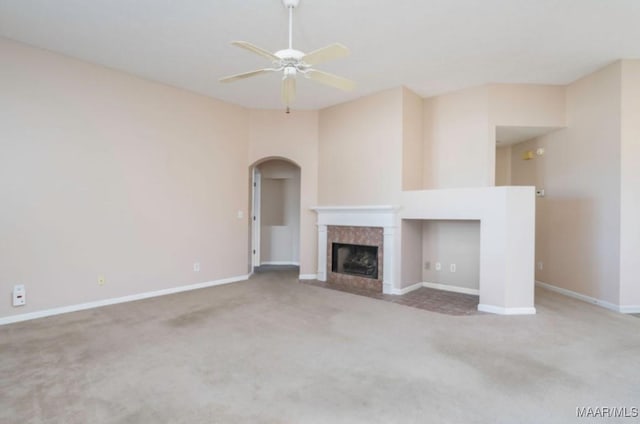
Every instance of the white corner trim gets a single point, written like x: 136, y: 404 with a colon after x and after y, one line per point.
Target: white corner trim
x: 407, y: 289
x: 280, y: 263
x: 582, y: 297
x: 130, y: 298
x: 455, y: 289
x: 308, y: 277
x: 506, y: 311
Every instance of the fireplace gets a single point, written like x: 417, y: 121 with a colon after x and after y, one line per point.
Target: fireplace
x: 355, y: 256
x: 368, y: 226
x: 355, y: 259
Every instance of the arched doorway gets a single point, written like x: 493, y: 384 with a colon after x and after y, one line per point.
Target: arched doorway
x: 275, y: 210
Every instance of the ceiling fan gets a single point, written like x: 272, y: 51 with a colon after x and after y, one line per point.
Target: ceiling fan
x: 293, y: 62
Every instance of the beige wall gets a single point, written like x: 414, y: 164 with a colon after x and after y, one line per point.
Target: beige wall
x: 532, y: 173
x: 524, y: 105
x: 412, y: 141
x: 452, y: 242
x: 578, y: 220
x: 360, y: 152
x: 106, y: 174
x: 294, y: 136
x: 279, y: 212
x: 525, y: 172
x: 458, y: 148
x: 503, y: 165
x: 460, y: 151
x: 272, y: 202
x: 459, y: 129
x: 630, y: 185
x: 412, y: 257
x: 527, y: 105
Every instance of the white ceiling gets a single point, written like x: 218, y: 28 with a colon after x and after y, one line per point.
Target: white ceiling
x: 430, y: 46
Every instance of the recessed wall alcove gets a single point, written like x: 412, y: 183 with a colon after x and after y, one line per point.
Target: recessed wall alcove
x: 441, y: 254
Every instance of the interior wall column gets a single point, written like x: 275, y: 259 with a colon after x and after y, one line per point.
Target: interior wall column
x: 322, y: 252
x: 389, y: 266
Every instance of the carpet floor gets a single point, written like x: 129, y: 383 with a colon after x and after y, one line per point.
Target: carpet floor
x: 272, y: 350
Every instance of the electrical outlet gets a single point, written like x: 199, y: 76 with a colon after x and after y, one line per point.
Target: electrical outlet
x: 427, y: 265
x: 452, y: 267
x: 19, y: 295
x: 196, y: 267
x: 540, y: 265
x: 438, y: 266
x: 101, y: 280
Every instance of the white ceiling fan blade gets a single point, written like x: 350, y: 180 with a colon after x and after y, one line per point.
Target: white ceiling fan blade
x: 288, y: 90
x: 257, y: 50
x: 325, y: 54
x: 330, y: 79
x: 244, y: 75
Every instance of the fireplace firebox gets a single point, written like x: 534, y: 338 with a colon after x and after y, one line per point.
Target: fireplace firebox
x: 354, y: 259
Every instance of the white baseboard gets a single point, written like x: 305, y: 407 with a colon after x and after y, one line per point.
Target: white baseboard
x: 308, y: 277
x: 455, y: 289
x: 484, y: 308
x: 280, y: 263
x: 506, y: 311
x: 631, y: 309
x: 437, y: 286
x: 105, y: 302
x: 407, y: 289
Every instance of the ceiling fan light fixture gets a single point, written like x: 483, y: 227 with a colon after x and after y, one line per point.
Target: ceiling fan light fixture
x: 290, y: 72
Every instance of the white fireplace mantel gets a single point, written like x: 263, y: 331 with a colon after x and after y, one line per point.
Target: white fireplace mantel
x: 385, y: 216
x: 357, y: 216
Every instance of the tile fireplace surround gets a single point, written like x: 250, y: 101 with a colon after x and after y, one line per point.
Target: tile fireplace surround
x: 366, y: 236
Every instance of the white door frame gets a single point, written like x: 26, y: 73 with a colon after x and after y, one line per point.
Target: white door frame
x: 256, y: 188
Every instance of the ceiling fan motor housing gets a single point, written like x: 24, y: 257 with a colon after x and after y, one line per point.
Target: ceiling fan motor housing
x: 290, y: 3
x: 291, y: 57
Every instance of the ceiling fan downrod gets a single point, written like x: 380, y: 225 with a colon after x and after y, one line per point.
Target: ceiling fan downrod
x: 290, y: 25
x: 290, y: 5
